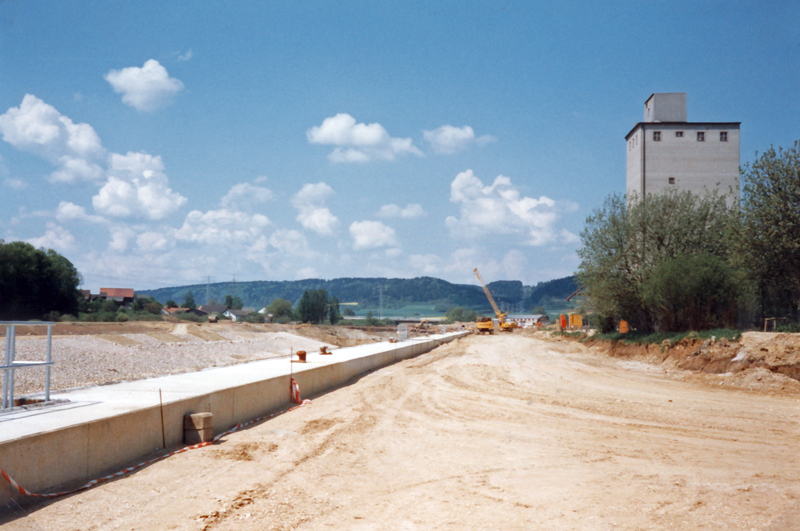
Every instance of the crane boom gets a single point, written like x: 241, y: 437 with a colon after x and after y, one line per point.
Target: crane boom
x: 489, y: 296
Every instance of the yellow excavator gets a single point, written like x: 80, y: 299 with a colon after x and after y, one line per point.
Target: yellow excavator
x: 485, y: 324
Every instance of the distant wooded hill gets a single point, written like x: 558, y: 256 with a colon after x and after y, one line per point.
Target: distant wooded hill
x: 397, y: 292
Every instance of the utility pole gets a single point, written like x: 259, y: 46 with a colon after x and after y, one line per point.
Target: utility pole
x: 380, y: 292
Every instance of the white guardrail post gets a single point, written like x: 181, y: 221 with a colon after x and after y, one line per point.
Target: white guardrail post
x: 11, y: 365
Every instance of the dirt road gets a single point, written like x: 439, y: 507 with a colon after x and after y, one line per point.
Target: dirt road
x: 501, y: 432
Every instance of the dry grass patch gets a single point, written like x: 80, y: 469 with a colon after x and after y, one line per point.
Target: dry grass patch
x: 118, y: 340
x: 205, y: 335
x: 168, y: 338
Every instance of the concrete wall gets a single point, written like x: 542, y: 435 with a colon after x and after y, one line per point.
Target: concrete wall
x: 665, y: 107
x: 76, y: 454
x: 699, y: 167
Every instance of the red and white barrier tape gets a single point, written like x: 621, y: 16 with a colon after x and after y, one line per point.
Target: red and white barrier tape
x: 294, y: 391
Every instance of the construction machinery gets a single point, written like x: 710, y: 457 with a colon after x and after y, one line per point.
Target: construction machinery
x: 485, y: 324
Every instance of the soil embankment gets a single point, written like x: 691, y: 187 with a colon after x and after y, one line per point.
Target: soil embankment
x: 756, y: 353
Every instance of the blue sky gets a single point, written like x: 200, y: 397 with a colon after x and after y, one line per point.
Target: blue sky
x: 160, y: 143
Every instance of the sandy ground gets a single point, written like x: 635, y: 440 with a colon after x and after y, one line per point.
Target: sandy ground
x: 497, y: 432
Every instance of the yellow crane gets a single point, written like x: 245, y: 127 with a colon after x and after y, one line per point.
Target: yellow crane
x: 485, y: 324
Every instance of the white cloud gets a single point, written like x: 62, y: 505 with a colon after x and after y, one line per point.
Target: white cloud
x: 501, y: 209
x: 55, y: 237
x: 222, y: 228
x: 137, y: 186
x: 152, y: 241
x: 245, y: 195
x: 146, y: 88
x: 186, y: 56
x: 39, y: 128
x: 312, y: 214
x: 371, y: 235
x: 285, y: 253
x: 359, y: 142
x: 15, y: 184
x: 411, y: 211
x: 120, y: 236
x: 67, y: 211
x: 448, y: 139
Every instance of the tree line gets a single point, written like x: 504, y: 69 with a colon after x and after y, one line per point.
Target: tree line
x: 678, y: 261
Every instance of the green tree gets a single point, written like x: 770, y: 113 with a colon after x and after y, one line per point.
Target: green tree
x: 692, y: 292
x: 313, y: 306
x: 460, y: 315
x: 109, y: 306
x: 771, y: 212
x: 623, y: 243
x: 349, y: 312
x: 333, y: 311
x: 234, y: 302
x: 152, y: 307
x: 188, y: 301
x: 35, y: 282
x: 170, y: 304
x: 371, y: 320
x: 281, y: 310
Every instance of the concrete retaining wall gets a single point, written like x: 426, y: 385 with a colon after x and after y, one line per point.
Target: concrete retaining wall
x: 94, y: 447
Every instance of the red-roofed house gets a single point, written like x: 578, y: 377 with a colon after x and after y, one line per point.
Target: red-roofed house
x: 120, y: 295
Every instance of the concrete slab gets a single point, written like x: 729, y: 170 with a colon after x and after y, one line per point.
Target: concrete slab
x: 105, y: 427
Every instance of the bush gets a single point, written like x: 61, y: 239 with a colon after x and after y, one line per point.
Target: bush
x: 691, y: 293
x: 187, y: 316
x: 460, y: 314
x: 256, y: 317
x: 122, y: 317
x: 152, y: 308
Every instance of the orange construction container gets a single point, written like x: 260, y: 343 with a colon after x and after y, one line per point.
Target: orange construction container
x: 575, y: 321
x: 623, y: 327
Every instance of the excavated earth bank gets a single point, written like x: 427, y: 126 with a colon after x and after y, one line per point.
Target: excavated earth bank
x: 756, y: 353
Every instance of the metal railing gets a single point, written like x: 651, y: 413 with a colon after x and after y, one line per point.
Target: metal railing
x: 12, y: 365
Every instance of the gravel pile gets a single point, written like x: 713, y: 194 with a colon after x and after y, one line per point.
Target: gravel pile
x: 91, y: 360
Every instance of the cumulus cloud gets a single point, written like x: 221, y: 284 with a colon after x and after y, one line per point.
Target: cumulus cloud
x: 67, y: 212
x: 448, y: 139
x: 120, y: 236
x: 411, y: 211
x: 312, y: 214
x: 359, y: 142
x: 243, y: 196
x: 154, y: 241
x: 222, y: 228
x: 146, y: 88
x: 39, y: 128
x: 501, y: 209
x: 285, y: 252
x: 55, y: 237
x: 372, y: 235
x: 137, y: 187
